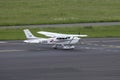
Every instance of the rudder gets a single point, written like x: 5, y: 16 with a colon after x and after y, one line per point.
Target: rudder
x: 28, y: 34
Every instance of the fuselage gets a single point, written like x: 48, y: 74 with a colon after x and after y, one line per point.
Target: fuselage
x: 70, y: 40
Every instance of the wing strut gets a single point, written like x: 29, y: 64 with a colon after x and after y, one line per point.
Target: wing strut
x: 71, y: 40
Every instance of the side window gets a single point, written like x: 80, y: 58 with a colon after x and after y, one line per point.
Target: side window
x: 67, y: 37
x: 63, y: 38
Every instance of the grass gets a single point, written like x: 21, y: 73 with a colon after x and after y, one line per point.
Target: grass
x: 17, y: 34
x: 21, y: 12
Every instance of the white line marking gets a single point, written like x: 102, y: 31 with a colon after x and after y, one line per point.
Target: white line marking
x: 105, y: 41
x: 10, y: 50
x: 2, y: 42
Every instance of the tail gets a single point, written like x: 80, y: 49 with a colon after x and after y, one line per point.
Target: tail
x: 28, y: 34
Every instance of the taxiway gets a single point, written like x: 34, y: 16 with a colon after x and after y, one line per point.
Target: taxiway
x: 92, y: 59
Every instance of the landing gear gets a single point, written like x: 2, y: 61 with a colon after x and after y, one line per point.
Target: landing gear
x: 56, y: 46
x: 68, y: 47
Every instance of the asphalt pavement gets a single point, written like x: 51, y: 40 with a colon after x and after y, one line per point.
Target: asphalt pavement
x: 92, y: 59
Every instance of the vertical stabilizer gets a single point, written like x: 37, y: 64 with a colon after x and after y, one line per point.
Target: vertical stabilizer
x: 28, y: 34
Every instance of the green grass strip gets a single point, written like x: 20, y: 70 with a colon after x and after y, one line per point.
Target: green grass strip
x: 21, y: 12
x: 17, y: 34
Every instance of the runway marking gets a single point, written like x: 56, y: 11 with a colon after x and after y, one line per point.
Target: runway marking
x: 10, y: 50
x: 105, y: 41
x: 2, y: 42
x: 105, y: 49
x: 111, y: 46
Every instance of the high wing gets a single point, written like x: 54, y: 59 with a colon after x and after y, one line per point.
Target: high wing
x: 66, y: 41
x: 52, y: 34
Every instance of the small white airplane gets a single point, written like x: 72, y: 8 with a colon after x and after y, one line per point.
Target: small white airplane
x: 66, y: 41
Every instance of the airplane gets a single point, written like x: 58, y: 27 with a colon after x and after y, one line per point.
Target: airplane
x: 66, y: 41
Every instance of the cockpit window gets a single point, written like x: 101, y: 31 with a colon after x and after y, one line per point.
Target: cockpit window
x: 63, y: 38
